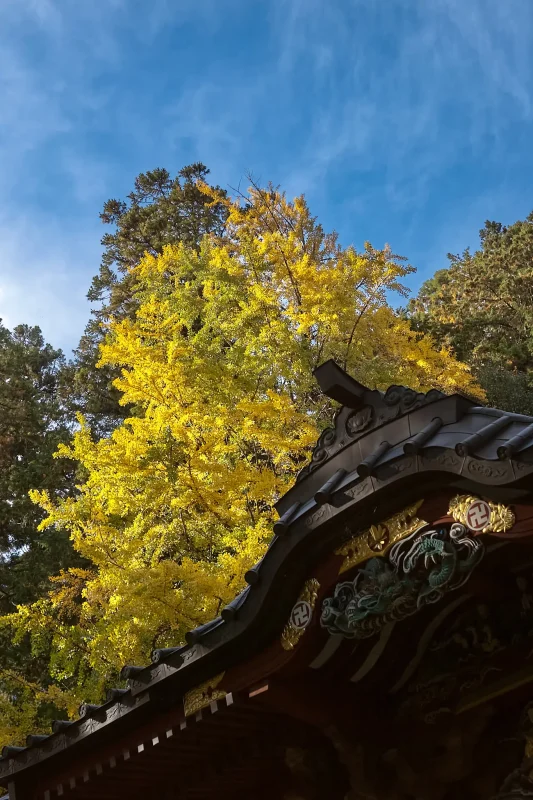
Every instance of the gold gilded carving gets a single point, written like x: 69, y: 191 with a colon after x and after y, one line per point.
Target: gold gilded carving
x: 301, y: 615
x: 501, y: 517
x: 378, y: 539
x: 202, y: 695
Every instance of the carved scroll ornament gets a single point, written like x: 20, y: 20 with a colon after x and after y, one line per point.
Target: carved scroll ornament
x: 204, y: 694
x: 419, y: 570
x: 378, y: 539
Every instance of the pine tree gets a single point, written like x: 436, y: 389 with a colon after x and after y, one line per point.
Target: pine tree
x: 482, y: 307
x: 159, y: 211
x: 33, y: 423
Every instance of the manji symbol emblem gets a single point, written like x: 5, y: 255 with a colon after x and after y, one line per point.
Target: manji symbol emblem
x: 478, y: 515
x: 481, y: 516
x: 301, y: 615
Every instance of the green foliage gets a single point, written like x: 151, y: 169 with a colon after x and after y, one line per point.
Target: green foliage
x: 482, y: 307
x: 32, y: 426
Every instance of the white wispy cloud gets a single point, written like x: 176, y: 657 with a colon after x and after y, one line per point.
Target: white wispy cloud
x: 43, y: 267
x: 49, y: 100
x: 413, y: 83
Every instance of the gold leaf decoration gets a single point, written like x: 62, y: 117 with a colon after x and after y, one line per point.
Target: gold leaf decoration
x: 378, y: 539
x: 204, y: 694
x: 291, y: 634
x: 501, y: 517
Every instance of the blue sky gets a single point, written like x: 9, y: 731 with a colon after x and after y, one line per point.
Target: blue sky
x: 403, y: 121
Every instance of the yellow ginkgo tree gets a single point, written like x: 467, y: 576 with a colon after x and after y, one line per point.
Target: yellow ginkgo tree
x: 178, y: 502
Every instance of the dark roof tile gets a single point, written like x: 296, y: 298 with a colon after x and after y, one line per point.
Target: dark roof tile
x: 230, y: 612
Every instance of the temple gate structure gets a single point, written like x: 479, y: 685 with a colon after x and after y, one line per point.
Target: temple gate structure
x: 382, y: 649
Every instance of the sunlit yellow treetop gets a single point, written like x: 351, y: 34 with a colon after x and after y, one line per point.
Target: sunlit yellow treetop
x: 178, y: 503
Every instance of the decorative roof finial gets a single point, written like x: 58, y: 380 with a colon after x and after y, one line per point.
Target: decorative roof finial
x: 337, y: 384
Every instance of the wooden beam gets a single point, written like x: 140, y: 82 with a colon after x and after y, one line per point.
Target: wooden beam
x: 18, y: 791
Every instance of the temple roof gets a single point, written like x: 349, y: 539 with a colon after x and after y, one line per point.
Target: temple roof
x: 381, y: 445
